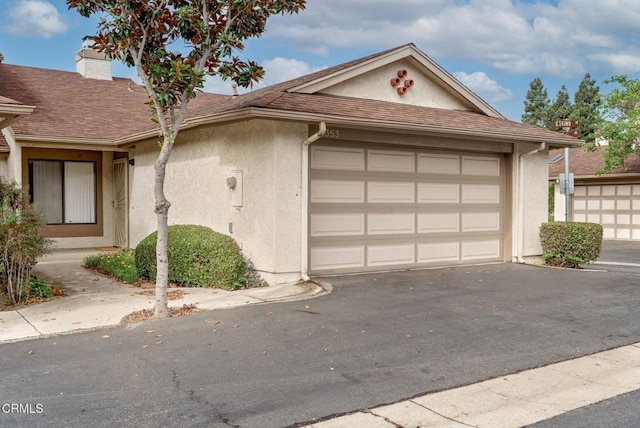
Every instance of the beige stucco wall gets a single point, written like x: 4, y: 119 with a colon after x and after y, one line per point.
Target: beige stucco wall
x: 559, y: 209
x: 376, y: 85
x: 4, y: 167
x: 534, y: 199
x: 13, y: 162
x: 267, y: 225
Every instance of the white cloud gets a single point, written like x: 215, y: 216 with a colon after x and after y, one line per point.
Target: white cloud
x: 516, y: 36
x: 276, y: 70
x: 486, y: 88
x: 36, y: 18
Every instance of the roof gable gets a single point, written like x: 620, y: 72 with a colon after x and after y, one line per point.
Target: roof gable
x: 403, y: 75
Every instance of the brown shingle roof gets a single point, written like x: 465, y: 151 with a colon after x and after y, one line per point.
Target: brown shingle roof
x: 69, y: 105
x: 583, y: 163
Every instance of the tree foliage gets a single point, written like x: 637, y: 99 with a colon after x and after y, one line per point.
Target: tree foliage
x: 621, y: 121
x: 586, y: 108
x: 174, y: 44
x: 540, y: 111
x: 560, y: 109
x: 536, y: 104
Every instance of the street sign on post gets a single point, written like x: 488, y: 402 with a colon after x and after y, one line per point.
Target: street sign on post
x: 566, y: 186
x: 567, y: 123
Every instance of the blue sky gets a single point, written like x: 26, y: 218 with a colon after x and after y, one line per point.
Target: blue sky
x: 495, y: 47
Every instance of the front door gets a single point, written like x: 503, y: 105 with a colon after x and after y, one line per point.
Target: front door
x: 120, y: 203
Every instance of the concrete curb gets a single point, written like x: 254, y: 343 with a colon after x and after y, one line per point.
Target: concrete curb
x: 511, y: 401
x: 94, y: 301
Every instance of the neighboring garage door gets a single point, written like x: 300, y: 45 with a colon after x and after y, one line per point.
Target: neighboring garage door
x: 615, y: 206
x: 390, y: 208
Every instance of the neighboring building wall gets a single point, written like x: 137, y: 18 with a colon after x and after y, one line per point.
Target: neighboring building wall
x: 559, y: 208
x: 376, y: 85
x: 535, y: 199
x: 267, y: 225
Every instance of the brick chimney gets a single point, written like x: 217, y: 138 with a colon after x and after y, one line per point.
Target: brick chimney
x: 91, y: 63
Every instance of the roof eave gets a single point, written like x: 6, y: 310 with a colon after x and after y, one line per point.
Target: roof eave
x: 262, y: 113
x: 102, y: 144
x: 10, y: 113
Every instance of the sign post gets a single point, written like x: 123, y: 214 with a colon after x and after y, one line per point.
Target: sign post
x: 566, y: 185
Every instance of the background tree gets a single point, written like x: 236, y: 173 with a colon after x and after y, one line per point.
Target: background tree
x: 586, y: 108
x: 560, y: 109
x: 621, y: 122
x: 173, y: 44
x: 536, y: 104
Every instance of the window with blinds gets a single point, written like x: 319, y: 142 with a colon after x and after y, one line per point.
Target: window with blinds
x: 64, y: 191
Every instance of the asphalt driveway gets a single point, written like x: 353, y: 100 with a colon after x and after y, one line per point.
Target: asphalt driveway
x: 375, y: 339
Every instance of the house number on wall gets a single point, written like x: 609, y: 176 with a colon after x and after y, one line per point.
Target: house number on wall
x: 332, y: 133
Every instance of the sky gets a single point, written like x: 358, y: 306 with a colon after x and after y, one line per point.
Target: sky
x: 495, y: 47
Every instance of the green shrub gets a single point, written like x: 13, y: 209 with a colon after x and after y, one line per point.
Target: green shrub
x: 198, y: 257
x: 118, y: 264
x: 570, y: 244
x: 21, y: 241
x: 40, y: 289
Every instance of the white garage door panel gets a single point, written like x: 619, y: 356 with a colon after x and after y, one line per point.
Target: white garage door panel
x: 389, y: 161
x: 610, y: 205
x: 438, y: 164
x: 340, y: 158
x: 337, y: 224
x: 482, y: 166
x: 439, y: 252
x: 389, y: 208
x: 480, y: 194
x: 337, y: 257
x: 436, y: 193
x: 385, y: 192
x: 480, y: 222
x: 335, y: 191
x: 389, y: 255
x: 389, y: 224
x: 624, y: 190
x: 438, y: 223
x: 480, y: 250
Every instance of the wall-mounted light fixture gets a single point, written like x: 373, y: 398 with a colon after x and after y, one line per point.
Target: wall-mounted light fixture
x: 132, y: 162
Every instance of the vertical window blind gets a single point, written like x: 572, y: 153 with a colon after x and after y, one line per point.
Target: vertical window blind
x: 64, y: 191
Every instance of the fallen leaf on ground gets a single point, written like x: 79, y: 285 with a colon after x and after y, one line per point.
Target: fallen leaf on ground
x: 268, y: 313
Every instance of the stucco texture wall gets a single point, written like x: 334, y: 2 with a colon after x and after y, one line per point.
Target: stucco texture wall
x: 267, y: 225
x: 376, y: 85
x: 535, y: 197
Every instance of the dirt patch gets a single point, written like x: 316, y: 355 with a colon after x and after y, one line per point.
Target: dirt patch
x: 5, y: 306
x: 148, y: 313
x: 171, y: 294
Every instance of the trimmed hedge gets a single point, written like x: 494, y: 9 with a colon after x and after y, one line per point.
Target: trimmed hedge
x: 570, y: 244
x: 198, y: 257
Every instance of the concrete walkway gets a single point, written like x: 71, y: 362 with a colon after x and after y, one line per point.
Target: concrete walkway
x: 511, y: 401
x: 95, y: 301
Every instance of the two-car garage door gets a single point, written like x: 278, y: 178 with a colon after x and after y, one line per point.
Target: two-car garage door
x: 389, y: 208
x: 615, y: 206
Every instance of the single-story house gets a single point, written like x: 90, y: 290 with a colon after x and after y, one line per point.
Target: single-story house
x: 611, y: 199
x: 384, y: 162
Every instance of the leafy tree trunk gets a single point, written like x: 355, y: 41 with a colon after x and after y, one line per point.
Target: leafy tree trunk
x: 140, y: 33
x: 162, y: 214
